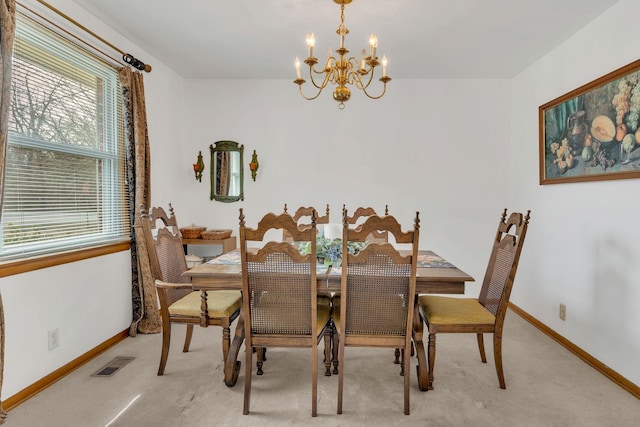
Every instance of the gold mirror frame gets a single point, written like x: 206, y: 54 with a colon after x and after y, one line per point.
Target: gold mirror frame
x: 227, y: 171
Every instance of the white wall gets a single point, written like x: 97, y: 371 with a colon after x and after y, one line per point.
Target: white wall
x: 88, y: 301
x: 582, y: 248
x: 428, y: 146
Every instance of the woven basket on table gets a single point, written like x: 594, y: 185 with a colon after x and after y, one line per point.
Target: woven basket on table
x: 192, y: 232
x: 216, y: 234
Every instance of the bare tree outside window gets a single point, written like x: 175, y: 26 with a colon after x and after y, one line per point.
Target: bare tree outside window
x: 62, y: 158
x: 51, y: 107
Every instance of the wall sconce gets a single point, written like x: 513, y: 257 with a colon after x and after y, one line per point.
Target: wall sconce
x: 254, y: 165
x: 198, y: 167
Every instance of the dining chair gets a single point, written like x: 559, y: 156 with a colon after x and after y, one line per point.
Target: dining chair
x: 179, y: 304
x: 376, y: 236
x: 324, y: 297
x: 301, y: 214
x: 377, y: 293
x: 280, y: 301
x: 486, y: 313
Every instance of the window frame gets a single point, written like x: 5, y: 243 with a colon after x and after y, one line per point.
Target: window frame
x: 112, y: 184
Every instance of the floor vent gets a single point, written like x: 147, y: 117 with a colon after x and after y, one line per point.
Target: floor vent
x: 112, y: 367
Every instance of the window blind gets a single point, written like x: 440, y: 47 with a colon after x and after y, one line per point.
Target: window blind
x: 65, y: 168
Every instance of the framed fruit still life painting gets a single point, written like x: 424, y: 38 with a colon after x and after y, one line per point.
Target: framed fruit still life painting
x: 593, y: 132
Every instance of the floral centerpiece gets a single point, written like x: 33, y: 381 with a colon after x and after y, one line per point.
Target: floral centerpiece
x: 329, y: 251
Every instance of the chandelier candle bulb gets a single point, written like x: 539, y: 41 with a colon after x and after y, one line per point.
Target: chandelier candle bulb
x: 384, y: 65
x: 311, y: 42
x: 373, y: 43
x: 298, y: 68
x: 364, y: 54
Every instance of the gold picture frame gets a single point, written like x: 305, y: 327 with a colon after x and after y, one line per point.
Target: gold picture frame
x: 593, y: 132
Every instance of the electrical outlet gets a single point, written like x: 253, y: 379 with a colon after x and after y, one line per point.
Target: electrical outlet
x: 563, y: 312
x: 54, y: 339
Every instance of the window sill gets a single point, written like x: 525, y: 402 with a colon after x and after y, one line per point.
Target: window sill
x: 32, y: 264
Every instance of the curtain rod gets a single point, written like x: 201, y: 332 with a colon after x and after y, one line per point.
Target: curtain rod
x: 126, y: 57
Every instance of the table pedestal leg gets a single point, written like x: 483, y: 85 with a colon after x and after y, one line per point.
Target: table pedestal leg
x: 232, y: 364
x: 422, y: 368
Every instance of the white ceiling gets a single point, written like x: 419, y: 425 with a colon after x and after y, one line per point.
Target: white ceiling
x: 259, y: 39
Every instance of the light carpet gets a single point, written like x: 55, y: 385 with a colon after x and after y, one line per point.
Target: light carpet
x: 546, y: 386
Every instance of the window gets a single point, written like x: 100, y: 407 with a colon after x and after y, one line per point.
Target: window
x: 65, y: 169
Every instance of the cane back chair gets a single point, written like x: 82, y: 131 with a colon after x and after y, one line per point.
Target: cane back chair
x: 279, y: 290
x: 376, y: 236
x: 179, y: 304
x: 301, y: 214
x: 302, y: 217
x: 486, y: 313
x: 377, y: 293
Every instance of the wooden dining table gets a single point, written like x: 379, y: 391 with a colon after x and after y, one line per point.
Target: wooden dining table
x: 435, y: 275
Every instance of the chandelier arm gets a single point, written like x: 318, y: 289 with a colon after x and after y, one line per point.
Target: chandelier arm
x: 358, y: 79
x: 354, y: 63
x: 384, y: 90
x: 313, y: 69
x: 370, y: 80
x: 312, y: 97
x: 360, y: 85
x: 352, y: 69
x: 325, y: 80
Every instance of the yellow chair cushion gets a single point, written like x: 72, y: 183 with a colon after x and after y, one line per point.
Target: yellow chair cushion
x: 220, y: 304
x: 454, y: 311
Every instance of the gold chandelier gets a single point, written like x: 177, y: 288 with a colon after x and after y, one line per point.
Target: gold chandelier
x: 343, y: 71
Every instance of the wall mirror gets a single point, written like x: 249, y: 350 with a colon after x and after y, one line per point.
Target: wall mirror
x: 227, y: 171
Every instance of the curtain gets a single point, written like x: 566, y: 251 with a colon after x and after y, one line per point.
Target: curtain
x: 146, y: 318
x: 7, y: 31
